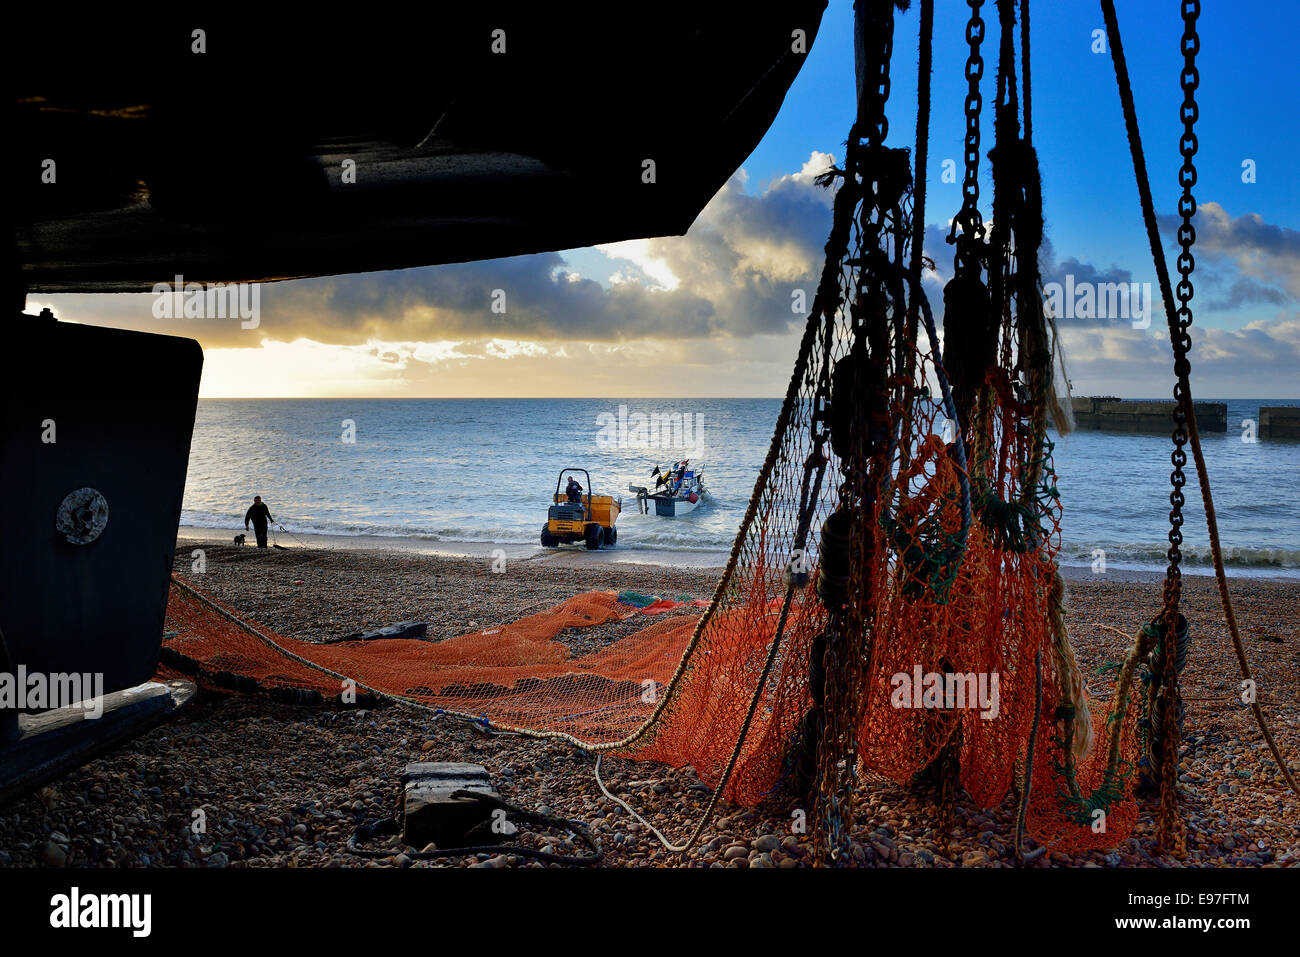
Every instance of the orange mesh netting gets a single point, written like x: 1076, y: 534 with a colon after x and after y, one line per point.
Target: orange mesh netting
x: 520, y: 675
x: 993, y: 618
x: 514, y: 675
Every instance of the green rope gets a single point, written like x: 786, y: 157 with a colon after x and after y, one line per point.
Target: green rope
x: 1073, y: 804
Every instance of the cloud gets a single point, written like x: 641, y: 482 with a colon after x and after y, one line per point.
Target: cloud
x: 732, y: 275
x: 1263, y: 255
x: 499, y: 368
x: 673, y: 309
x: 1259, y: 359
x: 1246, y: 292
x: 645, y: 267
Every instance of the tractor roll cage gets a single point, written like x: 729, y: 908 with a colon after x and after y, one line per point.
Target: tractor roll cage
x: 587, y: 475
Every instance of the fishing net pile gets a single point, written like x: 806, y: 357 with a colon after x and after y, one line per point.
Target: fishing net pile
x: 892, y: 602
x: 519, y: 674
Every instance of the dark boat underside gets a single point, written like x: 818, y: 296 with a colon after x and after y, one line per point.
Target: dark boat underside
x: 229, y: 165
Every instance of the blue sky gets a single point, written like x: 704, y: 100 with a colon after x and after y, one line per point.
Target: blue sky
x: 1249, y: 101
x: 708, y: 313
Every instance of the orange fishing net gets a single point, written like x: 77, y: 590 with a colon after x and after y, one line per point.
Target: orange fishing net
x: 536, y: 674
x: 679, y: 690
x: 518, y: 674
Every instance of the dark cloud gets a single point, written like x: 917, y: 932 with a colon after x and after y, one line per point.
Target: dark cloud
x: 1266, y: 255
x: 736, y: 270
x: 1246, y: 292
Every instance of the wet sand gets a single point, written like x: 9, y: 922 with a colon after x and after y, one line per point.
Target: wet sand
x: 623, y: 553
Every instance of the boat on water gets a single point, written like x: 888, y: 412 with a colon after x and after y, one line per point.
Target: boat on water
x: 678, y: 490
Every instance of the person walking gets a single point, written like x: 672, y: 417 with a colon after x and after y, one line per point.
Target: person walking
x: 260, y: 516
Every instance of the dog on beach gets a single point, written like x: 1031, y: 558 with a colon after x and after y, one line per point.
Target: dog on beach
x: 239, y: 539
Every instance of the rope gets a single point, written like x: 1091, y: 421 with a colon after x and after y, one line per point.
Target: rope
x: 1068, y: 676
x: 1024, y: 73
x: 1079, y: 807
x: 924, y: 68
x: 864, y: 432
x: 950, y: 410
x: 292, y: 535
x: 1025, y: 790
x: 744, y: 729
x: 906, y: 362
x: 668, y: 845
x: 1181, y: 370
x: 716, y: 796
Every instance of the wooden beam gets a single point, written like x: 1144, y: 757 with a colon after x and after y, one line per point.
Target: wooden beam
x: 55, y: 742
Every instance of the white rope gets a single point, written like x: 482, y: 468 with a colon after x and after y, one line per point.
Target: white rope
x: 668, y: 845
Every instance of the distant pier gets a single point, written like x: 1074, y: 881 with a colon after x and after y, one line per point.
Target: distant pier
x: 1109, y: 413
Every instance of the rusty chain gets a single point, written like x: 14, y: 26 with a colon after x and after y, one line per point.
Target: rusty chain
x: 970, y: 243
x: 1171, y: 830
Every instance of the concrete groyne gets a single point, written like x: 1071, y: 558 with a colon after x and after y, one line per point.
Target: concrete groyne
x: 1111, y: 414
x: 1279, y: 422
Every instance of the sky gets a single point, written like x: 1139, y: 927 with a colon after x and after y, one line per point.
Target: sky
x: 709, y: 313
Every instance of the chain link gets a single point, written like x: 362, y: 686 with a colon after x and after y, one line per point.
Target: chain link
x: 877, y: 126
x: 1186, y: 263
x: 972, y: 224
x: 1170, y: 828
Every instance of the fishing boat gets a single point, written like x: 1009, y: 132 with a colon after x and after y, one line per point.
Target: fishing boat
x: 678, y: 490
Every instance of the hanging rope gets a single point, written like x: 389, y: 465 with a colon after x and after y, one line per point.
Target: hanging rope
x: 1180, y: 339
x: 861, y: 431
x: 919, y: 301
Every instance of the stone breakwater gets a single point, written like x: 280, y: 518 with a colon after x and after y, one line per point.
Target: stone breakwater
x: 1109, y: 414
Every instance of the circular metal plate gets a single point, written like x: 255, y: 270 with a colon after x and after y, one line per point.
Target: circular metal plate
x: 82, y: 516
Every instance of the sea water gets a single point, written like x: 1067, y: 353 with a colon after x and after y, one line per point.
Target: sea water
x: 484, y: 470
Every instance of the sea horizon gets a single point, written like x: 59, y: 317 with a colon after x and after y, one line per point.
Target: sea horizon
x: 484, y: 474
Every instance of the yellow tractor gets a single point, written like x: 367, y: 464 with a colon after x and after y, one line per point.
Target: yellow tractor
x: 575, y: 517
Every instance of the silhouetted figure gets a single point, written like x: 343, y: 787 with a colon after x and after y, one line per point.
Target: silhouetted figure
x: 573, y: 490
x: 260, y: 516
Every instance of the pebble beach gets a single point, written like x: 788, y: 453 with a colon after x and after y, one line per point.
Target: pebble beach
x: 280, y: 785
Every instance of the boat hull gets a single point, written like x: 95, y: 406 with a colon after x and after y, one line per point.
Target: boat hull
x: 671, y: 507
